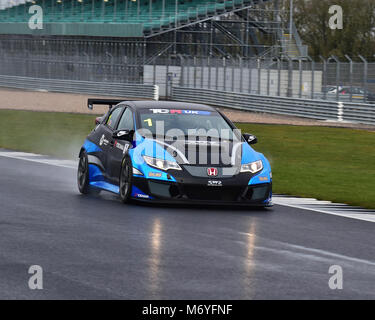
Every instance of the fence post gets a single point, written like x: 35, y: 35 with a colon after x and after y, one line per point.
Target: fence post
x: 195, y: 72
x: 188, y: 72
x: 233, y: 68
x: 249, y: 65
x: 167, y: 79
x: 337, y: 75
x: 365, y: 72
x: 202, y: 71
x: 241, y: 74
x: 259, y: 75
x: 154, y: 72
x: 225, y: 74
x: 268, y: 78
x: 312, y: 76
x: 300, y: 77
x: 87, y: 66
x: 182, y: 73
x: 350, y: 76
x: 324, y: 76
x: 290, y: 77
x: 209, y: 72
x: 278, y: 76
x: 217, y: 75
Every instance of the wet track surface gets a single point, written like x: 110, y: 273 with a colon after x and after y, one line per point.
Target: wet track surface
x: 95, y: 247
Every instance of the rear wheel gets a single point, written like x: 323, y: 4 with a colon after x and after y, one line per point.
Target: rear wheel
x: 126, y: 177
x: 83, y: 176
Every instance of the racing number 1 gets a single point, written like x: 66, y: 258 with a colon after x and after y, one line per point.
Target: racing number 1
x: 149, y: 122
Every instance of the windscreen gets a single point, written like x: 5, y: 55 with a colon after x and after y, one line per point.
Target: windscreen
x: 175, y: 122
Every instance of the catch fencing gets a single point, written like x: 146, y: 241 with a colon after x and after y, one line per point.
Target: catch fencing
x: 82, y: 87
x: 315, y: 109
x: 285, y: 85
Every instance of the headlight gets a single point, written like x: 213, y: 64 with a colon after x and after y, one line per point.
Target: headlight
x: 161, y: 164
x: 252, y: 167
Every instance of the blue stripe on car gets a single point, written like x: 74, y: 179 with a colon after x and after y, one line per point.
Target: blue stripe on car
x: 91, y: 147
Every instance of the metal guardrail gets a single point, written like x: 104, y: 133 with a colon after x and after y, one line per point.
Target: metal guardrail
x: 315, y: 109
x: 363, y: 113
x: 82, y: 87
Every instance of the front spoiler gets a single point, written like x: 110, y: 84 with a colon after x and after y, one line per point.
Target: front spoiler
x: 183, y: 198
x: 205, y: 202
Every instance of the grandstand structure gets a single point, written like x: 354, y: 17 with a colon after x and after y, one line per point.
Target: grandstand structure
x: 124, y: 35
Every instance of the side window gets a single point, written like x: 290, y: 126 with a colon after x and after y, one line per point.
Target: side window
x: 112, y: 120
x: 126, y: 122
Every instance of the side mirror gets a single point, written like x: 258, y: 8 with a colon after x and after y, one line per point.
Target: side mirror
x: 250, y: 138
x: 98, y: 120
x: 126, y: 135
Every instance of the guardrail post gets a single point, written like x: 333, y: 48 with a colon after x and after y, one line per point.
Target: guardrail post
x: 340, y: 111
x: 156, y: 93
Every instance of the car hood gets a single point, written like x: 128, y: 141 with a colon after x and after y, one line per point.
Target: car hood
x: 200, y: 153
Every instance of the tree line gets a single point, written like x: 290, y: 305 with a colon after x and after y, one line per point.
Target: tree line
x: 357, y: 37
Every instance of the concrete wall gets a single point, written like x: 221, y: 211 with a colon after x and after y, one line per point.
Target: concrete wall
x: 233, y: 79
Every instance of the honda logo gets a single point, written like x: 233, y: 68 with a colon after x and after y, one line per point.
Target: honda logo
x: 212, y: 172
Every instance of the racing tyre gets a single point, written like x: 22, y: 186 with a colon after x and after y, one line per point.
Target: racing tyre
x: 126, y: 178
x: 83, y: 176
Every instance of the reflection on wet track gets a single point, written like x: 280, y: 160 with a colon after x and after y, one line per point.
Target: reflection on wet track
x: 95, y: 247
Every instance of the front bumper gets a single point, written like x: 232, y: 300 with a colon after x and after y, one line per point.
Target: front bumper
x: 199, y: 192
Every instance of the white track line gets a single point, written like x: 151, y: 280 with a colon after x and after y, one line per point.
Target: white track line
x: 39, y: 159
x: 327, y: 207
x: 310, y: 204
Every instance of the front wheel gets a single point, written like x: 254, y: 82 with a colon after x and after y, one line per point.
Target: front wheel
x: 83, y: 176
x: 126, y: 177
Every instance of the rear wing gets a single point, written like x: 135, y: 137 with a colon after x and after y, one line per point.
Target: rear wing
x: 108, y: 102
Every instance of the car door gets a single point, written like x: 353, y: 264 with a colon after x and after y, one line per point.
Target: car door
x: 118, y: 147
x: 106, y: 139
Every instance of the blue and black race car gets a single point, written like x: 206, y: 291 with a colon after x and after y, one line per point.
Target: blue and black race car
x: 172, y: 152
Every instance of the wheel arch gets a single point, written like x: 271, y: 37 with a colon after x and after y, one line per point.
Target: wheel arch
x: 81, y: 152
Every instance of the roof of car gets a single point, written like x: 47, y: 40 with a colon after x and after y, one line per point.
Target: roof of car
x: 169, y: 105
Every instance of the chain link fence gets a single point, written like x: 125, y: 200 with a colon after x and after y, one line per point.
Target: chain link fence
x: 128, y: 61
x: 83, y: 60
x: 299, y: 78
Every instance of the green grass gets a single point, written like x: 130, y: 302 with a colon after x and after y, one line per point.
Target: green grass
x: 57, y: 134
x: 336, y: 164
x: 325, y: 163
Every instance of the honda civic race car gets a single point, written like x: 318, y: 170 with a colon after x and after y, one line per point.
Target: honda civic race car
x: 171, y: 152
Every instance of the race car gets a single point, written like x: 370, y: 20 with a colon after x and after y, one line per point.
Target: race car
x: 172, y: 152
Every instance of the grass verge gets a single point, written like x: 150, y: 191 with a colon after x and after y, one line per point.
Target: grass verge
x: 325, y: 163
x: 336, y: 164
